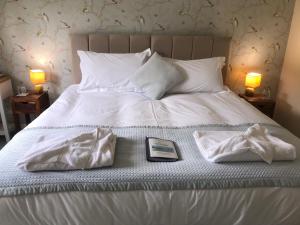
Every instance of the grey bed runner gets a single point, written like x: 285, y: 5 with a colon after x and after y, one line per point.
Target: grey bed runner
x: 131, y: 170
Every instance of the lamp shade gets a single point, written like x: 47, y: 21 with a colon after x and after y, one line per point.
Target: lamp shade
x: 253, y: 80
x: 37, y: 76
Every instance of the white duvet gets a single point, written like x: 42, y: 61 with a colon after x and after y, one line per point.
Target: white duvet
x: 133, y: 109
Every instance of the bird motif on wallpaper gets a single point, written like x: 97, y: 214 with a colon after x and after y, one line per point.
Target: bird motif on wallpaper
x: 253, y: 29
x: 118, y: 22
x: 212, y: 25
x: 65, y: 24
x: 115, y: 1
x: 210, y: 3
x: 254, y: 49
x: 21, y: 19
x: 267, y: 61
x: 276, y: 46
x: 141, y: 19
x: 45, y: 17
x: 68, y: 69
x: 161, y: 27
x: 180, y: 12
x: 21, y: 47
x: 28, y: 67
x: 235, y: 22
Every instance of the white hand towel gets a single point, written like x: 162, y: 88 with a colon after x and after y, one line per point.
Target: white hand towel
x: 255, y: 144
x: 81, y: 151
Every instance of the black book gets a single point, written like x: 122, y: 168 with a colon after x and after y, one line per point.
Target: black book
x: 160, y: 150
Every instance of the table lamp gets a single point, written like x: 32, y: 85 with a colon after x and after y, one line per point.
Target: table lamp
x: 252, y: 81
x: 38, y: 78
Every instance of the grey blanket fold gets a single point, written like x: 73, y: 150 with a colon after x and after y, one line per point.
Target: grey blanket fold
x: 131, y: 170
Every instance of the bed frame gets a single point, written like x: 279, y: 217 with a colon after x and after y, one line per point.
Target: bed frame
x: 172, y: 46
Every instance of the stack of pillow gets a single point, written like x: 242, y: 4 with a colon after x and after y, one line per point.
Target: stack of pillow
x: 153, y: 76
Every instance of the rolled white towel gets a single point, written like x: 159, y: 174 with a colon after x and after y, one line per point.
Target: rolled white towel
x: 81, y: 151
x: 255, y: 144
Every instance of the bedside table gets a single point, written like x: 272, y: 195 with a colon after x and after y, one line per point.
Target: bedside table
x: 262, y: 103
x: 31, y: 104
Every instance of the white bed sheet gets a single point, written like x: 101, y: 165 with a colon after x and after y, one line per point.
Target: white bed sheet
x: 268, y: 206
x: 133, y: 109
x: 251, y: 206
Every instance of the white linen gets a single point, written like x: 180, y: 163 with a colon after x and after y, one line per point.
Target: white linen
x: 255, y: 144
x: 132, y: 109
x: 202, y: 75
x: 109, y: 71
x: 77, y: 151
x: 243, y: 206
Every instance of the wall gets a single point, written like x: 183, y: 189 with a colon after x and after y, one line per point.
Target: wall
x: 35, y: 33
x: 288, y: 100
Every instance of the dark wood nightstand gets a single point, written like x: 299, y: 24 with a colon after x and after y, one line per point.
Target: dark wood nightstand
x: 31, y: 104
x: 264, y: 104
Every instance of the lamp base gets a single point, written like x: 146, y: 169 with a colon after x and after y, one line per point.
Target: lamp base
x: 38, y: 88
x: 249, y: 92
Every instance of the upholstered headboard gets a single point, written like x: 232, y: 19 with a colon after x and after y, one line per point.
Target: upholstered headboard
x: 172, y: 46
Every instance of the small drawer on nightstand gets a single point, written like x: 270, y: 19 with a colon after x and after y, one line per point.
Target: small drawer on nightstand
x: 25, y: 107
x: 267, y: 109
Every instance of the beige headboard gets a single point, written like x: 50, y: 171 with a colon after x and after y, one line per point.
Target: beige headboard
x: 172, y: 46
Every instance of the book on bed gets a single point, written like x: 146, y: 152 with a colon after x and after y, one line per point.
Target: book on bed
x: 160, y: 150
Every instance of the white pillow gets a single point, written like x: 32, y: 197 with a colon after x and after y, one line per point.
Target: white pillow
x: 109, y: 71
x: 156, y: 76
x: 201, y: 75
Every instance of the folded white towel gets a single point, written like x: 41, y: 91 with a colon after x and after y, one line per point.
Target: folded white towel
x: 255, y: 144
x: 80, y: 151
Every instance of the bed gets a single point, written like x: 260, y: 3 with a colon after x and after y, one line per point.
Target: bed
x: 135, y: 191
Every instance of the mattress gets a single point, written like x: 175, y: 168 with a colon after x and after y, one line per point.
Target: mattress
x: 245, y: 198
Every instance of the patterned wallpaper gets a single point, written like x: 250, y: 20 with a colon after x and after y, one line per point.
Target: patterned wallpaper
x: 35, y: 33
